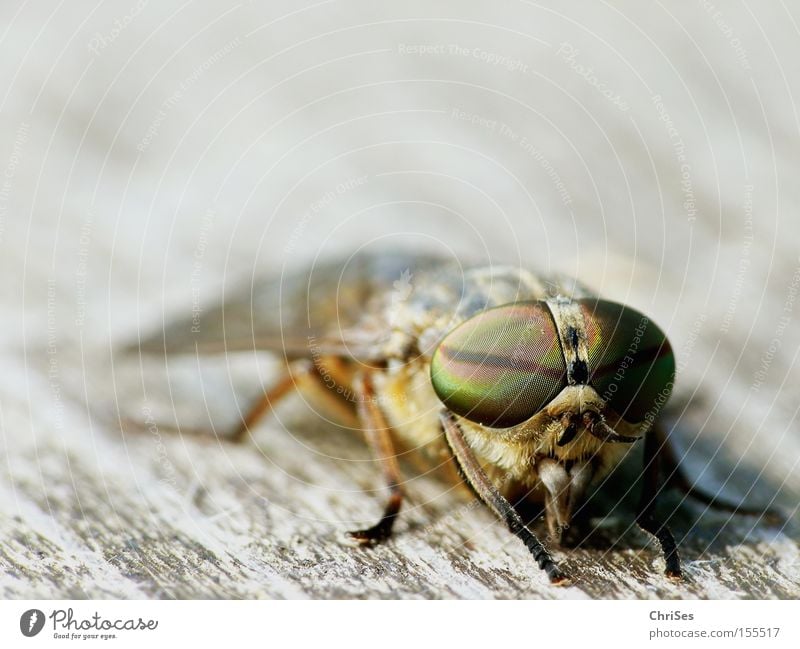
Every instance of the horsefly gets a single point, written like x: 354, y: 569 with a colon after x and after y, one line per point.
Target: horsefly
x: 527, y: 384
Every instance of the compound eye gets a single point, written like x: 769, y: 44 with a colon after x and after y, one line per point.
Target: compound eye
x: 502, y: 366
x: 631, y: 362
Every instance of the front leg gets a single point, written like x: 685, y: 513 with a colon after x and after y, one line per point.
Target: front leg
x: 304, y: 375
x: 379, y: 438
x: 476, y: 477
x: 652, y: 486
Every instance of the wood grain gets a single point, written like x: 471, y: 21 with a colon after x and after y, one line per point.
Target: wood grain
x: 151, y: 513
x: 290, y: 145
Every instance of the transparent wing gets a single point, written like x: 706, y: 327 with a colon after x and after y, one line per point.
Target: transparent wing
x: 324, y: 309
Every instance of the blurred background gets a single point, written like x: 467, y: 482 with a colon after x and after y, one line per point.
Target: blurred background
x: 153, y: 153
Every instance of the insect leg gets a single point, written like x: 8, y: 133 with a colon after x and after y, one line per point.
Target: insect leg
x: 269, y: 399
x: 294, y: 371
x: 300, y: 374
x: 476, y: 477
x: 646, y: 516
x: 676, y: 477
x: 380, y: 440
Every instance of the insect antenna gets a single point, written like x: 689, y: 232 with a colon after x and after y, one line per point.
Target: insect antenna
x: 598, y: 428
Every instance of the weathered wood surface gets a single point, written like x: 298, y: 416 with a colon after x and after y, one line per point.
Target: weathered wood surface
x: 135, y: 187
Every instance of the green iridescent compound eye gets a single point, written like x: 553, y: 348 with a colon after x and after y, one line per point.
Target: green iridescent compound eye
x: 502, y: 366
x: 631, y: 362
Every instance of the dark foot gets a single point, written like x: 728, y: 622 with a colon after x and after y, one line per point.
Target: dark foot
x: 674, y: 576
x: 375, y: 534
x: 667, y: 541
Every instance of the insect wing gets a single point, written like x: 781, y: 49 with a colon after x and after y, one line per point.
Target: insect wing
x: 325, y: 310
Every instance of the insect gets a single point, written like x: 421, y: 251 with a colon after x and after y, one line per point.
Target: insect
x: 525, y: 383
